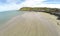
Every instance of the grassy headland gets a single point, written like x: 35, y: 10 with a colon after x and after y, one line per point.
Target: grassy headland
x: 53, y: 11
x: 40, y: 9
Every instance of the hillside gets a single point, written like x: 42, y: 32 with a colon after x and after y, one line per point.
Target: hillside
x: 53, y: 11
x: 39, y: 9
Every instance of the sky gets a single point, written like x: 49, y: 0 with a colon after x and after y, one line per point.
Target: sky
x: 6, y: 5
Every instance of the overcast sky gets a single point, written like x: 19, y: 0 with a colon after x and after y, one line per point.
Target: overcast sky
x: 6, y: 5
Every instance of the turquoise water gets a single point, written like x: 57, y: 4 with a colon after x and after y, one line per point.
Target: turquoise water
x: 7, y: 15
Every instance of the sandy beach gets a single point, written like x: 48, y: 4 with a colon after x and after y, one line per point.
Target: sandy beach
x: 31, y: 24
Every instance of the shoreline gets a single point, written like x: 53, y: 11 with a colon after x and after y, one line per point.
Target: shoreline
x: 9, y: 21
x: 30, y: 22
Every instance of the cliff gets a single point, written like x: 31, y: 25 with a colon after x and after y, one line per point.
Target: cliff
x: 53, y: 11
x: 40, y: 9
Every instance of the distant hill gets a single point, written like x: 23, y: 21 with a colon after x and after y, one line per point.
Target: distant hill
x: 53, y: 11
x: 40, y: 9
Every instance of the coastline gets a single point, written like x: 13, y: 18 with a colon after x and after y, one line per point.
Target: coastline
x: 30, y: 21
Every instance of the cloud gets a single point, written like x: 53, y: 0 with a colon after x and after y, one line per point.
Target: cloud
x: 48, y: 5
x: 8, y: 7
x: 52, y: 1
x: 14, y: 1
x: 12, y: 4
x: 39, y: 3
x: 32, y: 2
x: 10, y: 1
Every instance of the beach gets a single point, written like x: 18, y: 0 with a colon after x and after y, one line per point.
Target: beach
x: 31, y: 24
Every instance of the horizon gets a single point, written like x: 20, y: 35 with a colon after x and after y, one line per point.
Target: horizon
x: 6, y: 5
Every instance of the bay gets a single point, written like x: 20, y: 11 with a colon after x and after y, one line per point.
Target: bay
x: 7, y: 15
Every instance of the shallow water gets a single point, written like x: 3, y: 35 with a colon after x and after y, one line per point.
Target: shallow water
x: 7, y: 15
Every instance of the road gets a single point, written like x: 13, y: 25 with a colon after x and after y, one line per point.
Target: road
x: 30, y: 24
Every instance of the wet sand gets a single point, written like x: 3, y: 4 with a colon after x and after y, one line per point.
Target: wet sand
x: 31, y: 24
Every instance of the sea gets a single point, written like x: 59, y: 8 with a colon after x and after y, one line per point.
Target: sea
x: 7, y: 15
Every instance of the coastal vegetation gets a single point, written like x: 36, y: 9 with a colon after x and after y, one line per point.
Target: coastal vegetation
x: 40, y: 9
x: 53, y: 11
